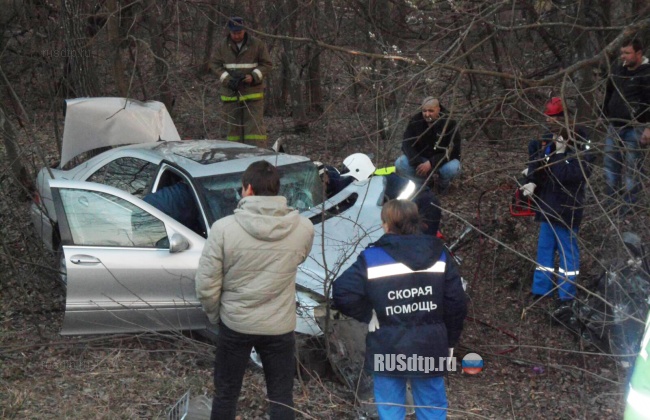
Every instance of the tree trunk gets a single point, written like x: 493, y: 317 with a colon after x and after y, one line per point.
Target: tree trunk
x: 291, y: 69
x: 587, y: 104
x: 114, y: 40
x: 79, y: 71
x: 157, y: 20
x: 209, y: 37
x: 314, y: 82
x: 313, y: 67
x: 532, y: 17
x: 13, y: 152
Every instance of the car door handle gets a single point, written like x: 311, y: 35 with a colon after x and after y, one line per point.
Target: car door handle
x: 84, y: 259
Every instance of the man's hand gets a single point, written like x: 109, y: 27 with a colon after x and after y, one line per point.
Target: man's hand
x: 528, y: 189
x: 248, y: 79
x: 645, y: 137
x: 373, y: 325
x: 423, y: 169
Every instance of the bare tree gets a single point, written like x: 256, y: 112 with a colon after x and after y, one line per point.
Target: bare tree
x: 115, y: 42
x: 12, y: 149
x: 291, y: 72
x: 79, y: 70
x: 159, y: 16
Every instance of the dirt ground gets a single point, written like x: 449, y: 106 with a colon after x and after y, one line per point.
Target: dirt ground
x: 533, y: 367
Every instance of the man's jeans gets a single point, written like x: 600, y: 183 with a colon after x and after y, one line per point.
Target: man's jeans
x: 278, y: 360
x: 446, y: 172
x: 623, y: 154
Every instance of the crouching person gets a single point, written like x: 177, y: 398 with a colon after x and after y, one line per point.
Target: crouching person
x: 408, y: 289
x: 246, y: 283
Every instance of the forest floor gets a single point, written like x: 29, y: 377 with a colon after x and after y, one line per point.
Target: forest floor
x: 533, y: 368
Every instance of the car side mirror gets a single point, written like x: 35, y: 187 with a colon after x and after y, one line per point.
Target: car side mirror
x: 178, y: 243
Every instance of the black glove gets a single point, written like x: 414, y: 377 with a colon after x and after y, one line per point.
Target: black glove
x: 235, y: 81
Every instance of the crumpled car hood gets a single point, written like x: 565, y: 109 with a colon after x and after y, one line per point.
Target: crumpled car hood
x: 91, y: 123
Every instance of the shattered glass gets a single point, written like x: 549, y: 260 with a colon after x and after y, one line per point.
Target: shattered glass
x: 207, y: 152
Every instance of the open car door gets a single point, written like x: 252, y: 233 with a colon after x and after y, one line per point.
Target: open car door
x: 130, y: 267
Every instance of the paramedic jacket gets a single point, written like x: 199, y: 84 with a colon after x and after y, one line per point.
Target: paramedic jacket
x: 415, y: 288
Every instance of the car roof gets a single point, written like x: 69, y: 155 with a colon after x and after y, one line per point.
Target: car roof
x: 207, y: 157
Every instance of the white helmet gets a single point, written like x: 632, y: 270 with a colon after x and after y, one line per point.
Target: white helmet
x: 360, y: 166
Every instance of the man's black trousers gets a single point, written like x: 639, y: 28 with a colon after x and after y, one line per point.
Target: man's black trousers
x: 232, y: 355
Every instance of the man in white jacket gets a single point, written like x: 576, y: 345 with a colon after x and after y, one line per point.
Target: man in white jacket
x: 246, y: 283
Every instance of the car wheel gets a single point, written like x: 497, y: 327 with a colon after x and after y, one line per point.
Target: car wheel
x: 62, y: 269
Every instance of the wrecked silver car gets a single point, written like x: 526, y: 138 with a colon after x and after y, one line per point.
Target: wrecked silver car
x: 129, y: 266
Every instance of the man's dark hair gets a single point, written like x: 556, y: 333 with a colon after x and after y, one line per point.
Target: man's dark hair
x: 634, y: 42
x: 263, y: 177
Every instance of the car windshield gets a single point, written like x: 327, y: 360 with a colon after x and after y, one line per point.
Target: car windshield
x: 299, y: 183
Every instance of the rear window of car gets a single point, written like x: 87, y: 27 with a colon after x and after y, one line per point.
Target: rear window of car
x: 126, y: 173
x: 299, y: 183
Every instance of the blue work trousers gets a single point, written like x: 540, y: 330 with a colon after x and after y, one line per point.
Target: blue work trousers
x: 428, y: 395
x: 554, y: 238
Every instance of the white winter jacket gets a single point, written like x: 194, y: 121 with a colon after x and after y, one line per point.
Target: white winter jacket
x: 247, y: 272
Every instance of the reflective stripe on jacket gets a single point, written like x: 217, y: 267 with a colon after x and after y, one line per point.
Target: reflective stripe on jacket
x: 380, y: 264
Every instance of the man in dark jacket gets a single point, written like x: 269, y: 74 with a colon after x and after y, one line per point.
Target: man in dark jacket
x: 431, y: 144
x: 241, y: 63
x: 556, y: 177
x: 177, y: 201
x: 627, y: 108
x: 407, y: 287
